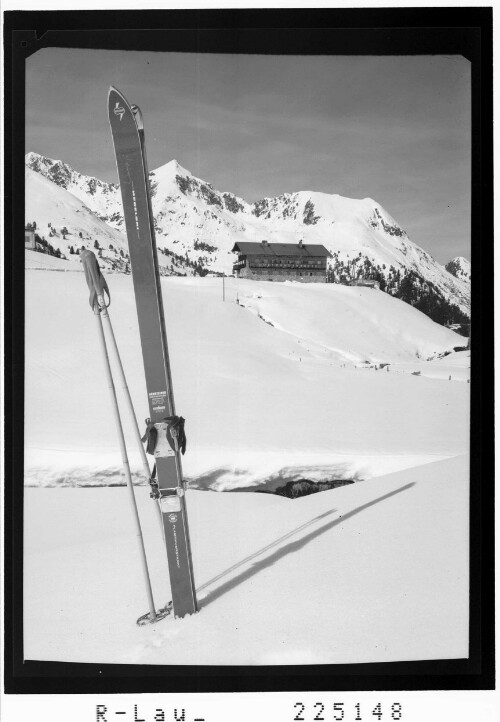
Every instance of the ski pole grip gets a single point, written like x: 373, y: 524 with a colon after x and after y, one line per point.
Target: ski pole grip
x: 95, y: 281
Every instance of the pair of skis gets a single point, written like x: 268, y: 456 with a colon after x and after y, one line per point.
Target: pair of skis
x: 165, y: 429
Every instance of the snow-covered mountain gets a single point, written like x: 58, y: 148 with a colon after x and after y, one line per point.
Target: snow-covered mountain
x: 197, y: 226
x: 65, y: 220
x: 460, y: 268
x: 52, y: 208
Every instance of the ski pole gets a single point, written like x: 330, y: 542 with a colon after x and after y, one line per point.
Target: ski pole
x: 126, y: 391
x: 99, y: 284
x: 98, y: 287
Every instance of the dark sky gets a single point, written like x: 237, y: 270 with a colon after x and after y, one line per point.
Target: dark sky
x: 396, y: 129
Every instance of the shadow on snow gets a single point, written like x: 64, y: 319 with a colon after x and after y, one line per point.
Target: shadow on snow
x: 281, y: 552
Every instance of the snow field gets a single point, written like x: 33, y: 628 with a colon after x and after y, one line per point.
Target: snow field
x: 373, y: 571
x: 262, y: 404
x: 370, y: 572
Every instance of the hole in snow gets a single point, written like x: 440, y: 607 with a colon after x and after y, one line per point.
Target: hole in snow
x: 303, y: 487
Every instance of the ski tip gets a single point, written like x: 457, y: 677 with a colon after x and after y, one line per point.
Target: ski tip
x: 114, y: 91
x: 118, y: 105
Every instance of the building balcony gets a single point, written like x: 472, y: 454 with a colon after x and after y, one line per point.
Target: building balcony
x: 289, y: 268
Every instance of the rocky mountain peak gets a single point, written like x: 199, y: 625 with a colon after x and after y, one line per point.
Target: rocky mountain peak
x: 57, y: 171
x: 65, y: 176
x: 460, y: 268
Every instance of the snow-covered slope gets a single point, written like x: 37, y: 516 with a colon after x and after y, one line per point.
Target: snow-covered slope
x: 285, y: 384
x: 100, y: 197
x: 197, y: 225
x: 52, y: 208
x: 292, y: 375
x: 372, y: 572
x: 68, y: 216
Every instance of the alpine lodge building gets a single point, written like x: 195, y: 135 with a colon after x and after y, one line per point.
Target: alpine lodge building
x: 281, y: 261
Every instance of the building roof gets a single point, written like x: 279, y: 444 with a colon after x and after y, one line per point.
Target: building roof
x: 280, y: 249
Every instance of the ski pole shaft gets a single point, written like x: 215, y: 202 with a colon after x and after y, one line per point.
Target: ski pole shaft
x: 125, y: 463
x: 126, y: 392
x: 98, y: 286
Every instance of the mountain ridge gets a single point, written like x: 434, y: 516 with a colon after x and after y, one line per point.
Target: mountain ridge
x: 197, y: 225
